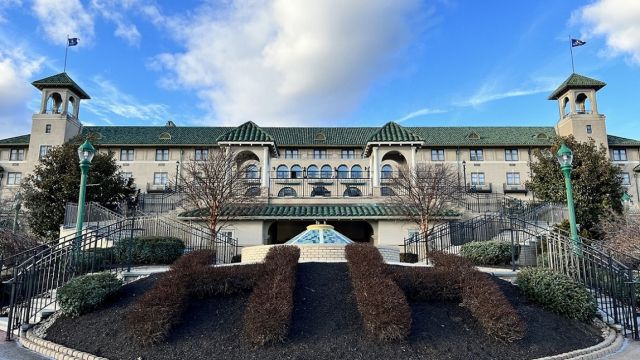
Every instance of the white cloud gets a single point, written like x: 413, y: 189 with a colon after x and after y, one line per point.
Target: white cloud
x: 113, y: 11
x: 109, y: 102
x: 420, y: 112
x: 284, y: 61
x: 17, y: 69
x: 60, y: 18
x: 492, y: 90
x: 617, y: 20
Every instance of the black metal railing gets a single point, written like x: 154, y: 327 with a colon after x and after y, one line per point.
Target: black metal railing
x: 320, y: 187
x: 160, y: 203
x: 94, y: 214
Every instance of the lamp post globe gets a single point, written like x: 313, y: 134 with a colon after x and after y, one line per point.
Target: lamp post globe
x: 86, y: 152
x: 565, y: 158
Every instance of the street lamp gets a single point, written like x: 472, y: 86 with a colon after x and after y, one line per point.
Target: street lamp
x: 464, y: 174
x: 177, y: 173
x: 86, y: 151
x: 565, y: 158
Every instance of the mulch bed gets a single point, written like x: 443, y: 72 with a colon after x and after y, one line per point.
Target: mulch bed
x: 326, y: 325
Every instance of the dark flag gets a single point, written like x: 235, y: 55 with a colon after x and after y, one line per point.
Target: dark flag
x: 72, y: 42
x: 576, y: 42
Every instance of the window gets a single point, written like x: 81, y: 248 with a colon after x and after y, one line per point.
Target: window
x: 17, y: 155
x: 47, y: 129
x: 126, y: 154
x: 352, y: 192
x: 619, y: 155
x: 251, y: 172
x: 437, y: 154
x: 326, y: 172
x: 287, y: 192
x: 513, y: 178
x: 387, y: 172
x: 626, y: 180
x: 413, y: 234
x: 589, y: 130
x: 348, y: 154
x: 386, y: 191
x: 162, y: 154
x: 282, y: 172
x: 343, y: 172
x: 476, y: 155
x: 126, y: 176
x: 252, y: 191
x: 319, y: 154
x: 291, y: 154
x: 202, y: 154
x: 477, y: 178
x: 312, y: 172
x: 511, y: 155
x: 356, y: 172
x: 320, y: 191
x: 14, y: 178
x: 160, y: 178
x: 296, y: 172
x: 225, y: 234
x: 44, y: 150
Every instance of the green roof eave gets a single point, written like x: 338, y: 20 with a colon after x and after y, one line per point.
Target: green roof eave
x: 576, y: 81
x: 620, y: 141
x: 16, y: 140
x: 60, y: 80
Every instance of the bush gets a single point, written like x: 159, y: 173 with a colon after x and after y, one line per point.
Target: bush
x: 382, y: 304
x: 85, y: 293
x: 408, y: 258
x: 236, y: 259
x: 557, y: 293
x: 97, y: 259
x: 148, y: 250
x: 225, y: 280
x: 427, y: 283
x: 493, y: 252
x: 267, y: 317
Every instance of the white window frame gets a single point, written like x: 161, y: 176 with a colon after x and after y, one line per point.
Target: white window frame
x: 19, y: 155
x: 437, y: 154
x: 162, y: 152
x: 44, y: 150
x: 319, y: 153
x: 626, y: 178
x: 291, y: 154
x: 129, y: 154
x: 348, y: 153
x: 163, y: 176
x: 511, y: 177
x: 476, y: 177
x: 476, y: 154
x: 508, y: 155
x: 201, y: 154
x: 620, y: 155
x: 14, y: 178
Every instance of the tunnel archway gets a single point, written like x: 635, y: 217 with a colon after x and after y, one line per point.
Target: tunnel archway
x: 357, y: 230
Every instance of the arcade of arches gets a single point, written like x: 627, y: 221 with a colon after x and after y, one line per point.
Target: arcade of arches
x: 357, y: 230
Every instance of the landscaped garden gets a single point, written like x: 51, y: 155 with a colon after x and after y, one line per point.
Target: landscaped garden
x: 361, y: 309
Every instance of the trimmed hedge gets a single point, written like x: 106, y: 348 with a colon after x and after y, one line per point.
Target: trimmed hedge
x: 427, y: 283
x: 267, y: 317
x: 557, y: 292
x: 148, y: 250
x: 494, y: 252
x: 382, y: 305
x: 85, y: 293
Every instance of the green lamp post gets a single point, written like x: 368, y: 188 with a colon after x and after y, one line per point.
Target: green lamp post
x: 565, y: 158
x: 86, y: 151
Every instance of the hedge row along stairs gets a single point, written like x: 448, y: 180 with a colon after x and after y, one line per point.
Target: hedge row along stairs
x: 30, y: 278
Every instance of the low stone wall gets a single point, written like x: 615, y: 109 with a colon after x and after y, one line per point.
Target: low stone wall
x: 321, y: 253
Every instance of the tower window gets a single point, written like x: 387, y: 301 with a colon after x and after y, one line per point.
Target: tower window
x: 44, y: 150
x: 589, y: 130
x: 47, y: 129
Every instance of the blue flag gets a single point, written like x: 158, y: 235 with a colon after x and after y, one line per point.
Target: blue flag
x: 576, y: 42
x: 72, y: 42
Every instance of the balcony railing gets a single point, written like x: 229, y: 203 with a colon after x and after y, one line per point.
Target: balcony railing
x: 508, y: 188
x: 479, y: 188
x: 319, y: 187
x: 320, y: 156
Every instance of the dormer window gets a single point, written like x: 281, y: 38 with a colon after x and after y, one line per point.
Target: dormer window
x: 542, y: 136
x: 320, y: 137
x: 474, y: 136
x: 165, y: 136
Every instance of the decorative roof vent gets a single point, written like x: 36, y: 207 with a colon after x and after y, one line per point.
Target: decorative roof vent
x: 319, y: 234
x: 170, y: 124
x: 473, y: 136
x: 165, y: 136
x: 542, y: 136
x: 320, y: 137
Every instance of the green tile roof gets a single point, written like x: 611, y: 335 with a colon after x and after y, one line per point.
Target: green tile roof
x: 60, y: 80
x: 576, y: 81
x: 16, y: 140
x: 150, y: 135
x: 247, y: 132
x: 392, y: 132
x: 488, y: 136
x: 319, y: 212
x: 620, y: 141
x: 311, y: 136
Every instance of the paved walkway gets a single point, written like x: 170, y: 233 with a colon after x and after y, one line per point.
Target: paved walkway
x: 630, y: 351
x: 11, y: 350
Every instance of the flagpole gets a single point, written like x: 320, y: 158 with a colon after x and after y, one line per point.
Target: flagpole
x: 573, y: 69
x: 66, y: 50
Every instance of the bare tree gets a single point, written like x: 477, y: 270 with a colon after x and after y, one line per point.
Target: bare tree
x: 423, y: 192
x: 622, y: 234
x: 215, y: 184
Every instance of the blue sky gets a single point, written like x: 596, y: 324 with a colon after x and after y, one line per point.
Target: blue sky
x: 323, y: 63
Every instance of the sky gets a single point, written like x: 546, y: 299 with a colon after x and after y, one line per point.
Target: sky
x: 320, y: 63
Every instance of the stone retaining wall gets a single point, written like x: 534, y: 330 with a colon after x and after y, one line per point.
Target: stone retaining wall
x: 321, y: 253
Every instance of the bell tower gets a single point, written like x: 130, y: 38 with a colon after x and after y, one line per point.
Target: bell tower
x: 57, y: 118
x: 578, y: 109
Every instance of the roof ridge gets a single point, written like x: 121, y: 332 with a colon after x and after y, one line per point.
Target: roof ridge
x: 62, y: 79
x: 577, y: 81
x: 394, y: 132
x: 247, y: 132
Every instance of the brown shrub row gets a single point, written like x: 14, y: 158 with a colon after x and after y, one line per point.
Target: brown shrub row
x: 153, y: 316
x: 427, y: 283
x: 267, y: 317
x: 382, y: 305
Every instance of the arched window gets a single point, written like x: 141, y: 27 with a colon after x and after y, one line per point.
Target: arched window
x: 296, y: 172
x: 312, y: 172
x: 343, y: 172
x: 582, y: 104
x: 54, y: 102
x: 326, y: 171
x: 287, y: 192
x: 282, y: 172
x: 352, y: 192
x: 253, y: 191
x: 72, y: 106
x: 320, y: 191
x: 251, y: 172
x: 387, y: 191
x: 565, y: 107
x: 356, y: 172
x: 387, y: 172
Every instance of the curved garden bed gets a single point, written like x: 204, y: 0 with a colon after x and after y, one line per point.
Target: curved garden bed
x: 326, y: 324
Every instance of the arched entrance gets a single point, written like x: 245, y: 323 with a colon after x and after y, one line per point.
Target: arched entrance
x: 281, y: 231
